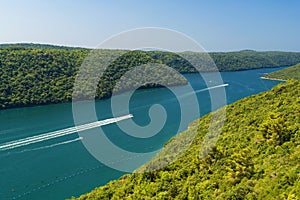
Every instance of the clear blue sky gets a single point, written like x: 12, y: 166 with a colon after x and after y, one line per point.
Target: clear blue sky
x: 218, y: 25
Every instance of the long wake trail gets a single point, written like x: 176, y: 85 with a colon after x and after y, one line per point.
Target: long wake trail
x: 206, y: 89
x: 60, y: 133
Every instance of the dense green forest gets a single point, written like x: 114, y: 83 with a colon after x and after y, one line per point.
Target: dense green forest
x: 256, y: 157
x: 36, y: 74
x: 44, y: 76
x: 292, y: 72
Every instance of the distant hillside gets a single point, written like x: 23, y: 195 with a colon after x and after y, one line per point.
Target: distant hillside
x: 292, y: 72
x: 37, y: 74
x: 242, y: 60
x: 256, y: 157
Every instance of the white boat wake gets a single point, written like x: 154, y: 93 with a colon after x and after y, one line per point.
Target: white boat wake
x: 213, y: 87
x: 71, y: 130
x: 205, y: 89
x: 60, y: 133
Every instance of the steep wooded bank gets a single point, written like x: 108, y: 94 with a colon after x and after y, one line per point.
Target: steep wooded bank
x: 256, y: 157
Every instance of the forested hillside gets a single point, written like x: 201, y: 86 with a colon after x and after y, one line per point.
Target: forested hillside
x: 36, y: 74
x: 292, y: 72
x: 256, y: 157
x: 44, y: 76
x: 248, y: 59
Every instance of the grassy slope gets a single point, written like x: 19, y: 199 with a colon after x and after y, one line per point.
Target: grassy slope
x: 257, y: 156
x: 292, y: 72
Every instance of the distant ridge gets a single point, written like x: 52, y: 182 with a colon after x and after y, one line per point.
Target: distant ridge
x: 29, y: 45
x: 35, y: 46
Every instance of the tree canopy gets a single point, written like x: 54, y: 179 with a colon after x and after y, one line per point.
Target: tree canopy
x: 37, y: 74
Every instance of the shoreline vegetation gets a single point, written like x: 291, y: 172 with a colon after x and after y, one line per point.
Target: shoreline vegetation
x: 292, y: 72
x: 259, y: 148
x: 40, y: 74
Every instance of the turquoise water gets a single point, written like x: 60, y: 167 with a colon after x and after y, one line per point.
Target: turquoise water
x: 62, y: 167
